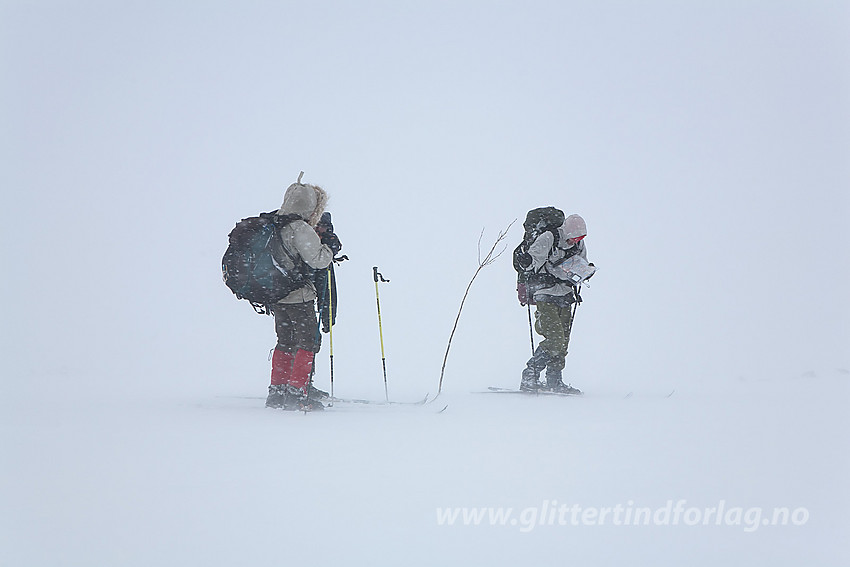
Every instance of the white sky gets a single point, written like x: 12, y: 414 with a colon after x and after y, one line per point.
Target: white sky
x: 705, y: 143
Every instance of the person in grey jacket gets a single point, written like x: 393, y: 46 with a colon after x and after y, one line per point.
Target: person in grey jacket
x: 554, y: 298
x: 295, y: 315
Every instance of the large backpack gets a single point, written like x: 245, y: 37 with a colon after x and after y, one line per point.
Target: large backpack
x: 253, y: 266
x: 537, y: 221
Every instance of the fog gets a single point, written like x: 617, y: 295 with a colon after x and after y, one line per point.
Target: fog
x: 705, y: 143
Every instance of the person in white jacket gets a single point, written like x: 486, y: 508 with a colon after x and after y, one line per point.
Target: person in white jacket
x: 554, y: 298
x: 295, y: 315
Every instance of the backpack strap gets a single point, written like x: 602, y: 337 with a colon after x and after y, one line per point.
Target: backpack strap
x: 568, y: 253
x: 280, y: 221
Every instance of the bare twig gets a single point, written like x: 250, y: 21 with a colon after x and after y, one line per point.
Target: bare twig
x: 491, y: 257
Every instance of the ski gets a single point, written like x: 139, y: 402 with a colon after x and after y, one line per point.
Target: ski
x: 336, y: 400
x: 631, y: 394
x: 329, y: 402
x: 495, y: 390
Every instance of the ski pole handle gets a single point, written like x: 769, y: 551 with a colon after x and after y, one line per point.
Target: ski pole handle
x: 377, y: 276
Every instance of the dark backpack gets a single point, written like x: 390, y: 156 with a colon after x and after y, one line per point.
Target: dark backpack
x: 253, y: 267
x: 537, y: 221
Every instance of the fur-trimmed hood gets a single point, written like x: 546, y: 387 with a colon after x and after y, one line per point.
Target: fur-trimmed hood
x: 306, y: 201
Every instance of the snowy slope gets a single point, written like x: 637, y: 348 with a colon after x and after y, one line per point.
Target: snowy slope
x: 219, y: 480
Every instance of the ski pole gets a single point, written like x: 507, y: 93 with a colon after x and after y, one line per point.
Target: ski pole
x: 318, y: 342
x: 531, y: 329
x: 572, y: 318
x: 331, y: 330
x: 377, y: 276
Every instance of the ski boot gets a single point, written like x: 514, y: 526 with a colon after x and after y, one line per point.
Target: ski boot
x: 531, y: 373
x: 529, y: 381
x: 554, y: 383
x: 277, y: 397
x: 316, y: 393
x: 299, y: 399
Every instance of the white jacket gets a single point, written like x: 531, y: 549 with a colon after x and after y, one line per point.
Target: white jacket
x: 299, y: 236
x: 544, y: 256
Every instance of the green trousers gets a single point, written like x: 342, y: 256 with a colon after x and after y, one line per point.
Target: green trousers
x: 553, y: 322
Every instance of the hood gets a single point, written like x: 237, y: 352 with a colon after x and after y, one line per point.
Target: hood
x: 306, y: 201
x: 573, y: 227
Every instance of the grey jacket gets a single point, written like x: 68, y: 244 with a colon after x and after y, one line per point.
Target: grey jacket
x: 544, y: 255
x: 299, y: 237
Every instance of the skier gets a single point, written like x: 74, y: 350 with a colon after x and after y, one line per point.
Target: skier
x: 537, y: 259
x: 295, y: 315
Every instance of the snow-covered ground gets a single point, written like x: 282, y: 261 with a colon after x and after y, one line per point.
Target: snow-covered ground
x: 220, y: 480
x: 705, y: 143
